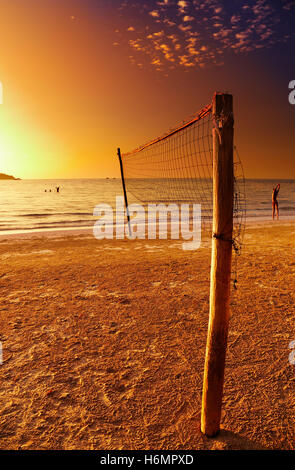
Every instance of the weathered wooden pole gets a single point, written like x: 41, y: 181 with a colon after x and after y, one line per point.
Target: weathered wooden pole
x: 124, y: 189
x: 223, y: 188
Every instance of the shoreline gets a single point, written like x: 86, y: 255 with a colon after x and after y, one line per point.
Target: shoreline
x: 57, y: 232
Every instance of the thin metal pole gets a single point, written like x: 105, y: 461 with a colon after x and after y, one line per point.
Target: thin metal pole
x: 124, y: 189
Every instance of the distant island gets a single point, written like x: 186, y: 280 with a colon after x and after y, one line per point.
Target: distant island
x: 7, y: 177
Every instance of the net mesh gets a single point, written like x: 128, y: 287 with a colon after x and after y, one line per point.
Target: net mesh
x: 177, y: 168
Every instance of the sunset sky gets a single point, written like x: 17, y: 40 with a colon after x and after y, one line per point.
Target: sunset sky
x: 82, y: 77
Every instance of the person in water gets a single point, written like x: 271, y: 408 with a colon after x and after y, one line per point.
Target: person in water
x: 57, y: 189
x: 275, y: 204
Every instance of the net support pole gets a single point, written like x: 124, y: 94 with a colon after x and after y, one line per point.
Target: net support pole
x: 124, y: 189
x: 223, y: 188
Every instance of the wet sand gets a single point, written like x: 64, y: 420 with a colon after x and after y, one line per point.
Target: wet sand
x: 104, y: 343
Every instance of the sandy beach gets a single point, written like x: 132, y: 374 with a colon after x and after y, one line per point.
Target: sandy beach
x: 104, y: 343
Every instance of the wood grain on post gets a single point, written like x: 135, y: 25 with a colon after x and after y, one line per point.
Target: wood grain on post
x: 223, y: 187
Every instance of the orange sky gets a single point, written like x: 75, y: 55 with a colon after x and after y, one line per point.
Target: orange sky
x: 73, y: 91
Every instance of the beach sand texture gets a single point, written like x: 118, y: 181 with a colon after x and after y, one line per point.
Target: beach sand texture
x: 104, y: 344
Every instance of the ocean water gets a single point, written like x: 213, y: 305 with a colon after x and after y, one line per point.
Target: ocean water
x: 26, y: 206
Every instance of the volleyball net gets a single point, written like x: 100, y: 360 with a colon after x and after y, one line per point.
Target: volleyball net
x: 178, y: 168
x: 197, y: 163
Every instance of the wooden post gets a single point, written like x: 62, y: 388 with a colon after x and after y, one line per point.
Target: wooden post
x: 223, y: 187
x: 124, y: 189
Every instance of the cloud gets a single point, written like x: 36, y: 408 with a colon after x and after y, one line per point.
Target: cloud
x: 199, y: 33
x: 154, y: 13
x: 158, y: 34
x: 184, y: 28
x: 186, y: 61
x: 235, y: 19
x: 169, y: 22
x: 289, y: 5
x: 182, y: 5
x: 168, y: 54
x: 188, y: 18
x: 156, y: 62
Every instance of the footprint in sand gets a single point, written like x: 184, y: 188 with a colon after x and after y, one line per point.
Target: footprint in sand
x: 102, y: 395
x: 156, y: 284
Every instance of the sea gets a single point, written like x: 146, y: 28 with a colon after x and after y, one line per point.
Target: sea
x: 35, y: 205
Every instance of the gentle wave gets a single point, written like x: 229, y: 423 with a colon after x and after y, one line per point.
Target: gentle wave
x: 56, y: 214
